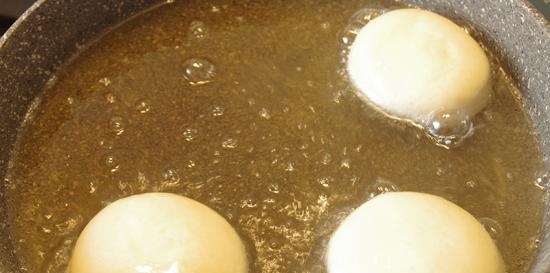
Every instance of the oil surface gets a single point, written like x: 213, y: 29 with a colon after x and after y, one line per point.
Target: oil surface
x: 241, y: 106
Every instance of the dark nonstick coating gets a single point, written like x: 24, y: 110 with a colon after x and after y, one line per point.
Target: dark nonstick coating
x: 53, y: 30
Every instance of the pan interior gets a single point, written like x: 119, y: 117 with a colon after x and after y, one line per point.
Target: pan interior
x: 241, y: 106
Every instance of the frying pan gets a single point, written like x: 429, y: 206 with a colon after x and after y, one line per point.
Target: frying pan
x: 52, y: 31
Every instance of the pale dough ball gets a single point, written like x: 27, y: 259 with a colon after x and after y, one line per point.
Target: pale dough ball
x: 411, y: 63
x: 406, y: 232
x: 158, y: 232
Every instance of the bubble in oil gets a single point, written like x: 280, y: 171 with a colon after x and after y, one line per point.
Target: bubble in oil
x: 364, y: 16
x: 356, y: 23
x: 110, y: 162
x: 492, y: 226
x: 534, y: 243
x: 338, y: 96
x: 60, y: 257
x: 198, y: 71
x: 215, y: 9
x: 68, y: 225
x: 325, y: 181
x: 142, y: 106
x: 170, y: 174
x: 334, y: 219
x: 264, y: 113
x: 93, y: 187
x: 249, y: 203
x: 345, y: 163
x: 110, y: 98
x: 542, y: 182
x: 170, y: 179
x: 105, y: 81
x: 290, y: 167
x: 116, y: 125
x: 189, y: 134
x: 471, y: 184
x: 273, y: 187
x: 230, y: 143
x: 198, y: 30
x: 46, y: 230
x: 381, y: 186
x: 327, y: 158
x: 449, y: 129
x: 217, y: 111
x: 348, y: 35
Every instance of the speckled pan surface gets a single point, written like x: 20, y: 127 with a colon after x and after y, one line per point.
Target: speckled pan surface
x: 53, y: 30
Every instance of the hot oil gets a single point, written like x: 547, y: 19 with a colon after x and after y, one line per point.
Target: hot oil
x: 241, y: 106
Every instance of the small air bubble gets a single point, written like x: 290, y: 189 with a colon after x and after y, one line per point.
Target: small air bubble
x: 325, y: 181
x: 356, y: 23
x: 273, y: 187
x: 274, y: 246
x: 338, y: 96
x: 327, y: 158
x: 217, y: 111
x: 171, y: 179
x: 68, y: 225
x: 492, y: 226
x: 349, y: 34
x: 93, y: 187
x: 346, y: 163
x: 364, y: 16
x: 249, y: 203
x: 471, y: 184
x: 105, y: 81
x: 449, y: 129
x: 46, y: 230
x: 230, y: 143
x: 111, y: 163
x: 264, y: 113
x: 189, y: 134
x: 142, y: 106
x: 170, y: 175
x: 381, y: 186
x: 116, y: 125
x: 542, y: 182
x: 289, y: 167
x: 110, y: 98
x: 198, y: 71
x: 198, y: 30
x: 534, y: 243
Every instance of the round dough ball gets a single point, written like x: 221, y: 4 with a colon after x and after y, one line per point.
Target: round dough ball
x: 406, y: 232
x: 158, y: 232
x: 411, y: 63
